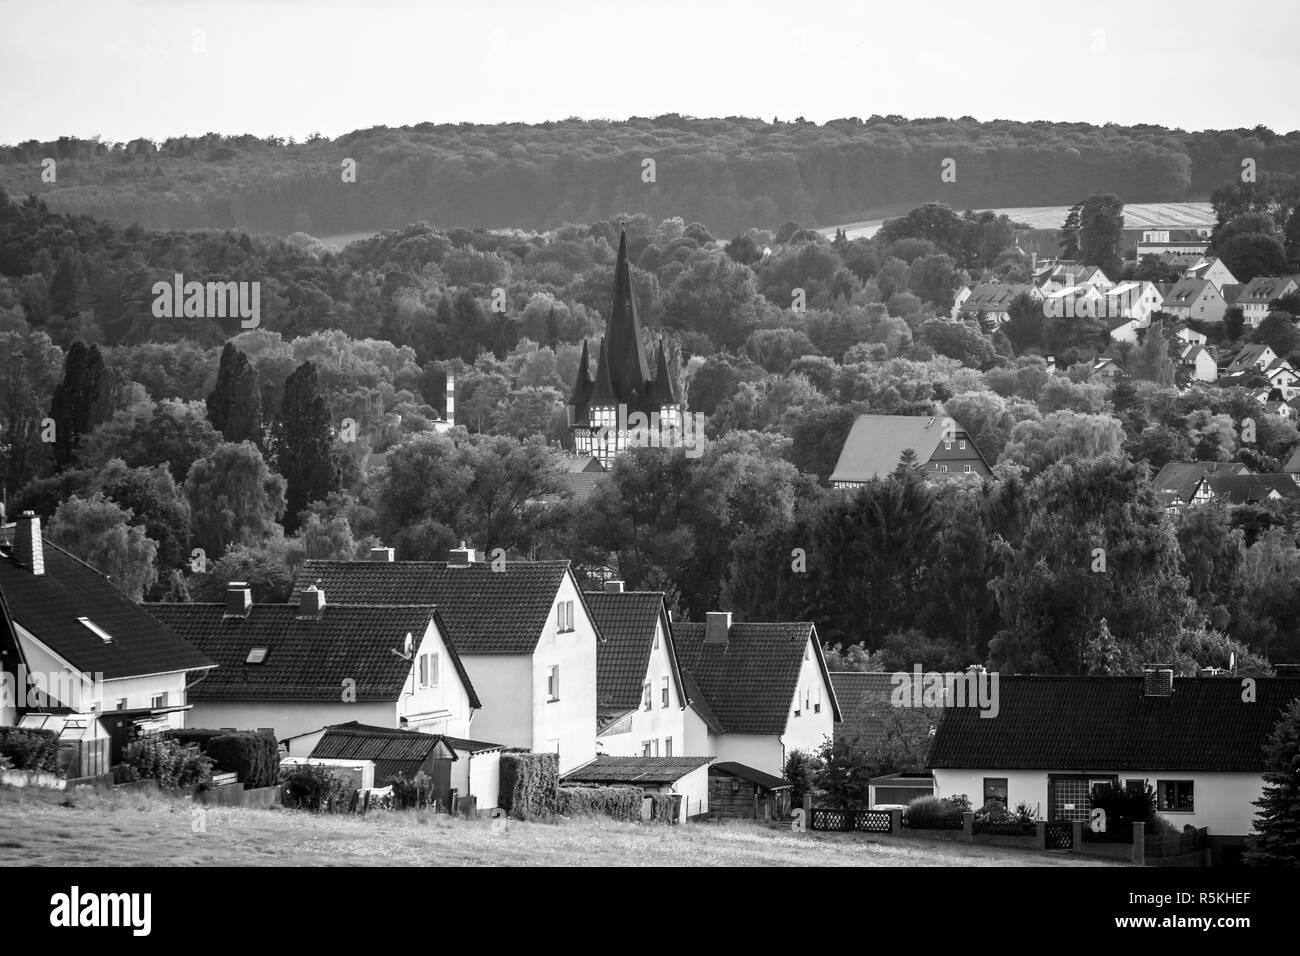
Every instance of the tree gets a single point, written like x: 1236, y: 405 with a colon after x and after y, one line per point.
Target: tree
x: 1253, y: 254
x: 235, y: 407
x: 303, y: 444
x: 1101, y: 230
x: 80, y: 401
x: 172, y: 432
x: 234, y: 498
x: 1036, y: 444
x: 1277, y: 825
x: 1068, y: 240
x: 1025, y: 323
x: 846, y: 771
x: 1278, y: 331
x: 1152, y: 360
x: 716, y: 296
x: 973, y: 349
x: 100, y: 533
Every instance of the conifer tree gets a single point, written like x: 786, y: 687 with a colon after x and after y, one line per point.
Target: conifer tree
x: 1278, y: 821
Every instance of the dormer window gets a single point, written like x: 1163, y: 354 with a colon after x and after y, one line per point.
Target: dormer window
x: 95, y: 629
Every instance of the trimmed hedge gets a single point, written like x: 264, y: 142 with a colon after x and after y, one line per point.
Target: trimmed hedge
x: 620, y: 803
x: 172, y: 764
x: 253, y: 756
x: 530, y: 784
x: 29, y: 748
x: 661, y: 808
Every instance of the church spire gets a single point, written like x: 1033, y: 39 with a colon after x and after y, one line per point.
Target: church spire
x: 582, y: 387
x: 661, y: 391
x: 603, y: 391
x: 628, y: 369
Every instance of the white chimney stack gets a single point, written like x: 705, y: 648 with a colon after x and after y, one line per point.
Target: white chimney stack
x: 29, y: 551
x: 239, y: 599
x: 383, y: 554
x: 613, y: 587
x: 451, y: 398
x: 716, y: 626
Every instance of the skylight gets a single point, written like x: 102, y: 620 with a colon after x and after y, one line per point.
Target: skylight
x: 104, y: 636
x: 256, y: 655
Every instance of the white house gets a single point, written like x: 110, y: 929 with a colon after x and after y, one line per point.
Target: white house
x: 522, y: 629
x: 1197, y: 741
x: 1213, y: 270
x: 640, y: 701
x: 757, y: 690
x: 84, y: 646
x: 1195, y: 299
x: 1253, y: 300
x: 294, y: 668
x: 1200, y: 364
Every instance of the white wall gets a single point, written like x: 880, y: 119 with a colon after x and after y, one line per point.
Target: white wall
x: 484, y: 777
x: 442, y: 708
x: 659, y: 723
x: 504, y: 683
x: 699, y: 742
x: 570, y: 720
x: 807, y: 731
x: 760, y: 751
x: 289, y: 718
x: 1223, y: 801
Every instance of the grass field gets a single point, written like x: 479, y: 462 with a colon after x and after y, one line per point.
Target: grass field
x: 47, y: 828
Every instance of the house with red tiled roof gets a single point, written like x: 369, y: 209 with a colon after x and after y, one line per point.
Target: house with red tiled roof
x: 522, y: 628
x: 1213, y: 270
x: 293, y: 668
x: 1197, y: 741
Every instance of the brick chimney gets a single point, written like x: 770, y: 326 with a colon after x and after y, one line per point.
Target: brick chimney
x: 1157, y: 680
x: 461, y: 557
x: 239, y: 599
x: 383, y: 554
x: 29, y: 551
x: 716, y: 626
x: 311, y: 602
x: 613, y: 587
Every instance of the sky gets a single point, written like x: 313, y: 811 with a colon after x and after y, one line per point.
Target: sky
x: 124, y: 69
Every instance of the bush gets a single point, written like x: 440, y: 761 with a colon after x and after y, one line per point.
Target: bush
x: 619, y: 803
x: 941, y: 812
x: 661, y: 808
x: 311, y: 787
x: 28, y: 748
x: 174, y: 765
x: 801, y: 770
x: 411, y: 792
x: 1124, y: 807
x: 254, y: 757
x: 530, y: 784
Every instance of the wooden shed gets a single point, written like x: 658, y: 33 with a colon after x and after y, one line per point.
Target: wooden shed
x: 741, y: 792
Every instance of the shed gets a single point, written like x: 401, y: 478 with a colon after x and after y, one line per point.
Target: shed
x: 741, y: 792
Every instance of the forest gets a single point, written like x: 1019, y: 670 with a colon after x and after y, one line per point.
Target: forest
x: 733, y: 173
x: 178, y: 454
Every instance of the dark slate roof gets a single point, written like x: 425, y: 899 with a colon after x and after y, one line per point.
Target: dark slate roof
x: 865, y: 699
x: 470, y: 746
x: 1177, y: 481
x: 700, y: 704
x: 486, y: 611
x: 48, y: 606
x: 633, y: 770
x: 393, y: 751
x: 743, y: 772
x: 626, y: 621
x: 307, y: 658
x: 1239, y: 489
x: 750, y: 681
x: 1105, y: 723
x: 875, y: 443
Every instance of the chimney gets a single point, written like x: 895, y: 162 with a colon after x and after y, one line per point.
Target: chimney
x: 613, y: 587
x: 461, y: 557
x: 383, y: 554
x: 1286, y: 670
x: 451, y: 398
x: 28, y: 549
x: 716, y: 626
x: 239, y: 599
x: 1157, y: 680
x: 311, y: 602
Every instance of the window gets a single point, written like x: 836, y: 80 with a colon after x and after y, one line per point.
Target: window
x: 807, y: 651
x: 428, y: 670
x: 121, y: 703
x: 663, y: 694
x: 807, y: 698
x: 995, y: 788
x: 735, y: 785
x: 1175, y: 795
x: 947, y: 446
x: 256, y: 655
x: 1135, y: 786
x: 424, y: 670
x: 656, y: 743
x: 645, y: 748
x: 564, y: 616
x: 668, y: 746
x: 943, y: 468
x: 965, y: 469
x: 961, y: 445
x: 645, y: 696
x: 817, y: 704
x: 158, y: 701
x: 656, y: 643
x: 95, y: 629
x: 553, y: 683
x: 798, y: 699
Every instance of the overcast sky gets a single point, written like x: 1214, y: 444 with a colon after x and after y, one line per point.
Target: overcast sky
x: 130, y: 68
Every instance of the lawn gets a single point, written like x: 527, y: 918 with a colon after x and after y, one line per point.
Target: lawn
x: 46, y: 828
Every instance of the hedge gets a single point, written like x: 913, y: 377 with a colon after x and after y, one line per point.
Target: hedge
x: 530, y: 784
x: 29, y: 748
x: 252, y: 755
x: 621, y: 803
x: 661, y: 808
x: 172, y: 764
x: 313, y: 787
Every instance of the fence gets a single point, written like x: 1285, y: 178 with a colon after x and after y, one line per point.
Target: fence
x: 1180, y: 844
x: 864, y: 821
x: 1060, y: 836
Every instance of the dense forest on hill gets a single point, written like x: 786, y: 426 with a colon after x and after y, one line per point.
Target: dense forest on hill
x: 732, y: 173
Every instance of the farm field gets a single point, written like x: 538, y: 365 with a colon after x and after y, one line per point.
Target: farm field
x: 49, y: 828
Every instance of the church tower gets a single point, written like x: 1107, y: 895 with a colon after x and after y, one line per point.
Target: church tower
x: 622, y: 379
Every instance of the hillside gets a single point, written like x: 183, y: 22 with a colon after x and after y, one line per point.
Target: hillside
x: 730, y: 173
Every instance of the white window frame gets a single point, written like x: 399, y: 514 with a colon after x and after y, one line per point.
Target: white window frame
x: 647, y: 699
x: 664, y: 694
x: 553, y: 683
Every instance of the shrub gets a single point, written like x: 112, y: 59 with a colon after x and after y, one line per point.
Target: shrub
x: 1160, y: 826
x: 620, y: 803
x: 941, y: 810
x: 529, y: 784
x: 4, y: 762
x: 661, y: 808
x: 311, y: 787
x: 411, y: 792
x: 801, y: 770
x: 1124, y: 807
x: 28, y: 748
x: 172, y: 764
x: 253, y: 756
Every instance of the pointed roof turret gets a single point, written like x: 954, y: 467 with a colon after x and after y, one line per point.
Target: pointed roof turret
x: 628, y: 370
x: 661, y: 390
x: 603, y: 391
x: 585, y: 383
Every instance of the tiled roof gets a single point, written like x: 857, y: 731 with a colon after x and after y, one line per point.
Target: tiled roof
x: 1247, y: 358
x: 742, y: 772
x: 1187, y: 291
x: 700, y: 704
x: 993, y: 296
x: 1263, y: 289
x: 1105, y: 723
x: 634, y: 770
x: 1239, y: 489
x: 486, y: 611
x: 875, y: 443
x: 1292, y: 464
x: 1178, y: 480
x: 751, y: 680
x: 866, y: 700
x: 393, y: 751
x: 307, y: 658
x: 626, y: 621
x: 48, y: 606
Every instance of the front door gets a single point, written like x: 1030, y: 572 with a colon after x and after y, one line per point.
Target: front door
x: 442, y: 783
